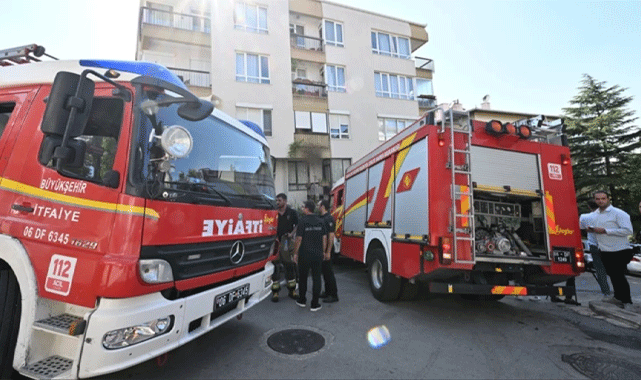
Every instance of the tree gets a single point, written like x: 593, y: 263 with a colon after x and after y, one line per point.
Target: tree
x: 603, y: 140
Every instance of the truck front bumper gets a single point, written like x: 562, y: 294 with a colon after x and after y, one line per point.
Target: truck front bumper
x: 192, y: 317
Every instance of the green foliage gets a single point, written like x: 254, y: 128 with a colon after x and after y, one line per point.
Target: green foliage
x: 604, y: 142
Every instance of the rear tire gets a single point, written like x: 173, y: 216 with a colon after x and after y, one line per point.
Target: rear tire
x: 384, y: 285
x: 10, y: 310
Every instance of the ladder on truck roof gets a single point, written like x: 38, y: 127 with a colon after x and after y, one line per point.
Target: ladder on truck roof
x: 22, y: 54
x: 460, y: 166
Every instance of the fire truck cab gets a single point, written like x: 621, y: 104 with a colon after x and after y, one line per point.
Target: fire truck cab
x: 467, y: 207
x: 134, y: 217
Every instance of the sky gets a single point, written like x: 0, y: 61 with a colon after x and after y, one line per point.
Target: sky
x: 529, y: 56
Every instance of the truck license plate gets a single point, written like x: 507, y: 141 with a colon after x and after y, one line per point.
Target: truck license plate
x: 231, y: 296
x: 562, y: 256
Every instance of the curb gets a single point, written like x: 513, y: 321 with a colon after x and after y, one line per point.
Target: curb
x: 630, y: 316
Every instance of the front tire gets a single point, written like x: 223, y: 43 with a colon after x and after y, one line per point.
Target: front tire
x: 10, y: 310
x: 384, y: 285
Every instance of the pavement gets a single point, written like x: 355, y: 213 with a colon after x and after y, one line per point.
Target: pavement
x: 590, y: 298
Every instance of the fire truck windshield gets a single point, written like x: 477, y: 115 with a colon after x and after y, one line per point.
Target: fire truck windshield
x: 225, y: 166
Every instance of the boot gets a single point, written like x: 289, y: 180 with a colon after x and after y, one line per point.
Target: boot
x: 291, y: 287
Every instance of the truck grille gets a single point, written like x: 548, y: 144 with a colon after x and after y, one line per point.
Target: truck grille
x: 193, y: 260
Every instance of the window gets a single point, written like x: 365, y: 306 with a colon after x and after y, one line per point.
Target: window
x: 298, y: 172
x: 5, y: 113
x: 334, y: 168
x: 393, y: 86
x: 315, y: 121
x: 389, y: 45
x: 424, y: 87
x: 335, y: 78
x: 339, y: 126
x: 388, y: 128
x: 259, y: 116
x: 97, y: 145
x: 333, y: 33
x: 252, y: 68
x: 250, y: 17
x: 299, y: 30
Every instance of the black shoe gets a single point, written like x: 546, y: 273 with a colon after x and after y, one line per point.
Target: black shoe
x: 323, y: 295
x: 330, y: 299
x: 555, y: 299
x: 316, y: 307
x: 301, y: 302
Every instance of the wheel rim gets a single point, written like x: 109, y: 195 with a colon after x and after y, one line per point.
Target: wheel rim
x: 377, y: 274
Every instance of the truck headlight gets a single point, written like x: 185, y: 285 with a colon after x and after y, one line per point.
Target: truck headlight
x: 155, y: 271
x: 176, y: 141
x: 135, y: 334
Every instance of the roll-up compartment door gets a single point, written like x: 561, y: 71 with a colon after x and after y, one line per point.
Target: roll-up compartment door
x: 499, y: 168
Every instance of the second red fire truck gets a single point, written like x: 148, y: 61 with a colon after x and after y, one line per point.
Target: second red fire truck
x: 485, y: 209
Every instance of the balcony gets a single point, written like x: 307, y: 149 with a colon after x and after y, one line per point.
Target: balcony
x: 426, y: 64
x: 308, y: 88
x: 426, y: 101
x: 307, y: 48
x: 171, y: 26
x: 193, y: 78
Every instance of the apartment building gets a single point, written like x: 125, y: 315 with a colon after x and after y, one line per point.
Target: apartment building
x: 325, y: 82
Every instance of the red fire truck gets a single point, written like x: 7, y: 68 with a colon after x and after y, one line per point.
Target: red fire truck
x: 484, y: 209
x: 134, y: 216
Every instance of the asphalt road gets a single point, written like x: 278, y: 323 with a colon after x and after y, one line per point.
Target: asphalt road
x: 433, y: 337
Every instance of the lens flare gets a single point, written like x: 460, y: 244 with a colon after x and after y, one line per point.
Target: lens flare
x: 378, y: 336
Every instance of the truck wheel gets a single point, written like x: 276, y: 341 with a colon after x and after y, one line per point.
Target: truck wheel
x: 385, y: 286
x: 9, y: 319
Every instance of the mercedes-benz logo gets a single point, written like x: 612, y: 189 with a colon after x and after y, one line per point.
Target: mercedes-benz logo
x: 237, y: 252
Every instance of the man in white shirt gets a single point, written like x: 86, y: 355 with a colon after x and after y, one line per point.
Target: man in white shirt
x: 586, y: 220
x: 612, y: 226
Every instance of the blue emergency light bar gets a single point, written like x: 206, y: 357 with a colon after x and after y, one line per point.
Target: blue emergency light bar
x: 142, y: 68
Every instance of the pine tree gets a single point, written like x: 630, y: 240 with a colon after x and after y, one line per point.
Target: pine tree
x: 603, y: 139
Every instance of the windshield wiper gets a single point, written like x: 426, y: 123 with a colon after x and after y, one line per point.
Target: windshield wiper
x: 197, y: 191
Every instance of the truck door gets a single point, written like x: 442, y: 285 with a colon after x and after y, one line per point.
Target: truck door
x: 65, y: 218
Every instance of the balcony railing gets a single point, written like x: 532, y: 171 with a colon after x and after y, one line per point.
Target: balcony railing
x: 305, y: 87
x: 299, y: 41
x: 426, y: 101
x: 424, y: 63
x: 195, y: 78
x: 175, y: 20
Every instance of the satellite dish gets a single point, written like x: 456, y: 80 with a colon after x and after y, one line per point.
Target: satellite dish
x: 486, y: 98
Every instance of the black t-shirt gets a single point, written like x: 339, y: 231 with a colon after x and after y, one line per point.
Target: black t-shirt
x: 286, y: 222
x: 311, y: 229
x: 330, y: 225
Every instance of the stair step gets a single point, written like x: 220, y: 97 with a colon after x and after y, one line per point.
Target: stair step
x: 62, y: 324
x: 48, y: 368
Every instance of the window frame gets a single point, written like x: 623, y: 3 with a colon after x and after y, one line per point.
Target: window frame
x: 297, y: 185
x: 245, y: 77
x: 394, y: 45
x: 383, y: 124
x: 245, y: 26
x: 339, y: 135
x: 337, y: 87
x: 335, y: 41
x: 384, y: 86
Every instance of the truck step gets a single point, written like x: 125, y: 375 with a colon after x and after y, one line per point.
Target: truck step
x: 65, y: 324
x: 47, y: 368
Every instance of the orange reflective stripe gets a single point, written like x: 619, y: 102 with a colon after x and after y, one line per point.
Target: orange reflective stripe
x: 510, y: 290
x: 549, y: 211
x: 465, y: 205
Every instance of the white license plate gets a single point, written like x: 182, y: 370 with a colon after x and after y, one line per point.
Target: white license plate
x: 562, y: 256
x: 231, y: 296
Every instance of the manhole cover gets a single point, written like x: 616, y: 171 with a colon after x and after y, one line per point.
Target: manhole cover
x: 603, y: 367
x: 296, y: 341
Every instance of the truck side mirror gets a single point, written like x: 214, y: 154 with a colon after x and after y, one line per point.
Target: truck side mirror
x: 62, y: 99
x: 193, y: 111
x: 72, y: 156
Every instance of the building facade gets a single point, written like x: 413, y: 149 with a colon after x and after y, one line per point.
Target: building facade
x: 326, y: 82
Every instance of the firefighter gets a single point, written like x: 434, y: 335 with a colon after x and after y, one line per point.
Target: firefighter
x: 331, y: 291
x: 287, y: 222
x: 311, y: 243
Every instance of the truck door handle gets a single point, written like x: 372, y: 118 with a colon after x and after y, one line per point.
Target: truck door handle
x: 22, y: 208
